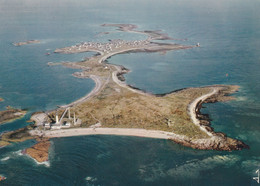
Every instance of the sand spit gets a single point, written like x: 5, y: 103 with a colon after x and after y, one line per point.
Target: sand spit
x: 108, y: 131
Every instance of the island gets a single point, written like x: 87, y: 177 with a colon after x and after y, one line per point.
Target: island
x: 11, y: 114
x: 19, y: 135
x: 39, y: 151
x: 115, y: 108
x: 26, y: 42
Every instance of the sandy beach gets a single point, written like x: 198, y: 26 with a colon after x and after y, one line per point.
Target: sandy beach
x: 108, y: 131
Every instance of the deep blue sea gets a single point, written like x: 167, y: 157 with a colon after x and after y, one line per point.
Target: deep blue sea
x: 229, y: 34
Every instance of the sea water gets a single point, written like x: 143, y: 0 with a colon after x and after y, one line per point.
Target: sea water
x: 228, y: 32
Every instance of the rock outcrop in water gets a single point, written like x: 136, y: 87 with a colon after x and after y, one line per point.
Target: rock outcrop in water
x: 40, y: 151
x: 220, y: 143
x: 26, y: 42
x: 11, y: 114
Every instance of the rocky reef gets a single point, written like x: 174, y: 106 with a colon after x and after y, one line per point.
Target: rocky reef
x: 11, y: 114
x: 40, y: 151
x: 16, y: 136
x: 218, y: 142
x: 26, y: 42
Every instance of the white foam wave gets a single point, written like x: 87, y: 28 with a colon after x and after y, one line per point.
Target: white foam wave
x: 45, y: 163
x: 19, y: 153
x: 90, y: 179
x: 5, y: 159
x: 241, y: 98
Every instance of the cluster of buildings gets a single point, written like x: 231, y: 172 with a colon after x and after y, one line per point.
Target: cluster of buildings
x: 106, y: 47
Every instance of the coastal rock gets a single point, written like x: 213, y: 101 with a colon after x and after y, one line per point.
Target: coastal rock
x: 204, y: 122
x: 18, y: 135
x: 3, y: 143
x: 208, y: 128
x: 214, y: 143
x: 26, y: 42
x: 11, y: 114
x: 40, y: 151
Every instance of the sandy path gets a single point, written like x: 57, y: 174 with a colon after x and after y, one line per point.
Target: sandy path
x: 193, y: 106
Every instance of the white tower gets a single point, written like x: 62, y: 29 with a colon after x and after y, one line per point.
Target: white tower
x: 57, y: 118
x: 69, y: 112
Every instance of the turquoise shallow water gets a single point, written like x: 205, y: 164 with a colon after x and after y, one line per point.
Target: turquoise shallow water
x: 228, y: 32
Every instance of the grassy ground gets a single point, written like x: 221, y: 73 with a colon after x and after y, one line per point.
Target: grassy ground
x: 118, y: 107
x: 122, y: 108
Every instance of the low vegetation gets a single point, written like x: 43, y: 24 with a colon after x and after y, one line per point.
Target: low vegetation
x: 121, y: 108
x: 11, y: 114
x: 16, y: 136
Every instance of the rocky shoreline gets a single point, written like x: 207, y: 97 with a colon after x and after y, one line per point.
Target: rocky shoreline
x: 219, y: 143
x: 219, y: 140
x: 26, y: 42
x: 40, y: 151
x: 11, y: 114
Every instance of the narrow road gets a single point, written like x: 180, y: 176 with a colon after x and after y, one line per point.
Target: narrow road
x: 192, y: 109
